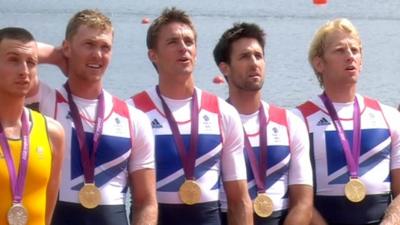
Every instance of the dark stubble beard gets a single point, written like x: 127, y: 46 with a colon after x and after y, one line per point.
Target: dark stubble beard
x: 248, y: 85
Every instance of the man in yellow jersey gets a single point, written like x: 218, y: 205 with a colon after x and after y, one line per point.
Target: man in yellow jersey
x: 31, y: 145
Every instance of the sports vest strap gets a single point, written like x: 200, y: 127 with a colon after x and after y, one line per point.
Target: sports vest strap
x: 143, y: 101
x: 120, y: 107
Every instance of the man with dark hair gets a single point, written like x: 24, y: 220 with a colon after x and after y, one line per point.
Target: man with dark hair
x: 278, y: 165
x: 110, y: 146
x: 199, y: 139
x: 31, y: 145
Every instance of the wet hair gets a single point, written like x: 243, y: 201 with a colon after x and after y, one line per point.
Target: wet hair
x: 318, y: 43
x: 16, y: 33
x: 223, y: 49
x: 168, y: 15
x: 92, y: 18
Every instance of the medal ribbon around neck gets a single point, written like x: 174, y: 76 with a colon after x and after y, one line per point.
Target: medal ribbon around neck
x: 260, y: 171
x: 17, y: 181
x: 188, y: 157
x: 87, y: 160
x: 352, y: 155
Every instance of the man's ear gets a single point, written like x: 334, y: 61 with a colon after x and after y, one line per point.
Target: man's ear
x: 66, y: 48
x: 151, y: 53
x: 318, y: 64
x: 224, y: 68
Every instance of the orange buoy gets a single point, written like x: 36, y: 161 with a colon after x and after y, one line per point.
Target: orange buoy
x: 320, y: 2
x: 218, y: 80
x: 145, y: 20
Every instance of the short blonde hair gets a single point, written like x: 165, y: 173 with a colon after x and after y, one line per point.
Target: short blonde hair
x: 318, y: 43
x: 90, y: 17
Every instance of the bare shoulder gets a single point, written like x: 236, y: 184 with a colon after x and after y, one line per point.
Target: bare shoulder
x: 54, y: 127
x: 56, y: 134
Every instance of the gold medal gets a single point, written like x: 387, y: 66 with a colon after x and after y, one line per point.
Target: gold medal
x: 263, y: 205
x: 89, y: 196
x: 17, y: 215
x: 355, y: 190
x: 190, y: 192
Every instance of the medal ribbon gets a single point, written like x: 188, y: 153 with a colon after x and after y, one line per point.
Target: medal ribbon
x: 260, y: 171
x: 352, y: 155
x: 87, y: 160
x: 17, y: 181
x: 188, y: 157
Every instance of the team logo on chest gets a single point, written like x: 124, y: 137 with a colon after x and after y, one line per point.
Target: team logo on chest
x: 275, y: 134
x: 40, y: 152
x: 206, y: 122
x: 118, y: 126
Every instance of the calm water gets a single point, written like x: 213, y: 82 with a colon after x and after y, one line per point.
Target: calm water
x: 289, y: 24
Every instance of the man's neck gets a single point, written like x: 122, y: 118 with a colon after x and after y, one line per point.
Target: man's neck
x: 341, y: 95
x: 85, y: 90
x: 10, y: 113
x: 245, y: 102
x: 177, y: 90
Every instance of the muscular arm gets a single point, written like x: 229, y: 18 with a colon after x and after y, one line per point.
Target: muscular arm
x: 392, y: 215
x: 48, y: 54
x: 239, y: 204
x: 300, y: 205
x: 56, y: 134
x: 300, y: 173
x: 317, y: 219
x: 143, y: 185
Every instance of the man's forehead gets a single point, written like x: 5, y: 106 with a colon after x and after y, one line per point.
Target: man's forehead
x: 246, y: 44
x: 92, y: 32
x: 342, y: 36
x: 11, y: 46
x: 177, y: 28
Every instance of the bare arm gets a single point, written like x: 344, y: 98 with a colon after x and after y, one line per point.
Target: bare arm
x: 49, y: 54
x: 317, y: 219
x: 145, y: 208
x: 300, y: 205
x: 240, y: 211
x: 392, y: 215
x: 56, y: 134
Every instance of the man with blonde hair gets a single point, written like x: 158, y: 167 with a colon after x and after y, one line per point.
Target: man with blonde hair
x: 109, y: 145
x: 355, y: 140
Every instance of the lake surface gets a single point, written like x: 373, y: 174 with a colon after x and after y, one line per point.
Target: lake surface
x: 289, y: 24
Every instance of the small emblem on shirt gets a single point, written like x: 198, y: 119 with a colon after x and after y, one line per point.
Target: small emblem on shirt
x: 40, y: 152
x: 117, y: 120
x: 155, y: 124
x: 207, y: 123
x: 275, y: 134
x: 68, y: 117
x: 275, y: 130
x: 323, y: 122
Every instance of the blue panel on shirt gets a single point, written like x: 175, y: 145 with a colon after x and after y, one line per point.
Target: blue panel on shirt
x: 334, y: 150
x: 168, y: 160
x: 110, y: 148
